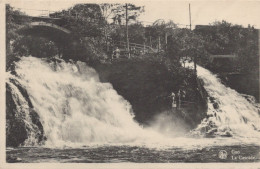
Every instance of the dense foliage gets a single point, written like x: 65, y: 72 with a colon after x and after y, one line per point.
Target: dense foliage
x: 19, y: 45
x: 223, y: 38
x: 82, y: 20
x: 100, y: 27
x: 185, y: 45
x: 147, y: 83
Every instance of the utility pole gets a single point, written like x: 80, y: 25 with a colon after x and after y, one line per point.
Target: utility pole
x: 150, y: 38
x: 166, y: 40
x: 179, y: 98
x: 190, y: 16
x: 144, y: 48
x: 127, y: 40
x: 195, y: 55
x: 159, y: 44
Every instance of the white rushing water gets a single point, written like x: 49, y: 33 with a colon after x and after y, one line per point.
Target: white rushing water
x: 233, y: 114
x: 23, y: 112
x: 75, y: 107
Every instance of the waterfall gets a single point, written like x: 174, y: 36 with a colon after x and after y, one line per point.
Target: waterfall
x: 22, y: 119
x: 229, y: 113
x: 74, y: 106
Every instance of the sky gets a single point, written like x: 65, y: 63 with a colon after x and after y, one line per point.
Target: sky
x: 202, y: 12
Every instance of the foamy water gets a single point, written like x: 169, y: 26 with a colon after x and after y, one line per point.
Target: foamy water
x: 76, y: 109
x: 233, y: 113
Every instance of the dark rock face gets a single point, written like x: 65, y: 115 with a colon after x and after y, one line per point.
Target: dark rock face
x: 244, y: 83
x: 15, y: 128
x: 17, y: 131
x: 148, y: 85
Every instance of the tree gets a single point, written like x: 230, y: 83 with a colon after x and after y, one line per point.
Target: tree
x: 107, y: 12
x: 108, y: 9
x: 85, y: 20
x: 87, y: 24
x: 185, y: 44
x: 34, y: 46
x: 20, y: 45
x: 14, y: 20
x: 137, y: 33
x: 157, y: 33
x: 119, y: 13
x: 224, y: 38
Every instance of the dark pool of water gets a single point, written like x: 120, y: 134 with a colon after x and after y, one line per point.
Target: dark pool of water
x: 136, y: 154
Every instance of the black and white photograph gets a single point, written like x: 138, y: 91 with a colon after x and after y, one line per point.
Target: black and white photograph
x: 140, y: 82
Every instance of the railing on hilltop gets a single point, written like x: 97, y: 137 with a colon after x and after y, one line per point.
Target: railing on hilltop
x: 134, y: 48
x: 139, y: 46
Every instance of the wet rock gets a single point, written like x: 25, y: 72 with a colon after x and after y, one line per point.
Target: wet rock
x: 211, y: 132
x: 16, y: 129
x: 12, y: 159
x: 227, y: 134
x: 212, y: 99
x: 148, y: 83
x: 215, y: 105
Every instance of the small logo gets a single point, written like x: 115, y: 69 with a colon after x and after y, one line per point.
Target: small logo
x: 222, y: 154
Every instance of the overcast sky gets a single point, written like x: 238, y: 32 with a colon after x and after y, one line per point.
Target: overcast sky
x: 202, y: 12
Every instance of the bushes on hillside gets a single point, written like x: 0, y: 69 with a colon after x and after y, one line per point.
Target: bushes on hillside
x: 147, y: 83
x: 223, y: 38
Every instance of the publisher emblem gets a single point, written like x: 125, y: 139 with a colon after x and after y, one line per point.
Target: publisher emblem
x: 222, y: 154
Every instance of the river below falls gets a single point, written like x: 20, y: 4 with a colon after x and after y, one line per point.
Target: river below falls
x: 87, y: 121
x: 137, y: 154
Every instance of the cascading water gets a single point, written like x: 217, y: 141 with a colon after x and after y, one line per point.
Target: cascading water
x: 229, y: 112
x: 65, y: 107
x: 75, y: 108
x: 23, y: 113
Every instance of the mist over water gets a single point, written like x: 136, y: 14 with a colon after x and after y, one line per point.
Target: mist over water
x: 76, y: 109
